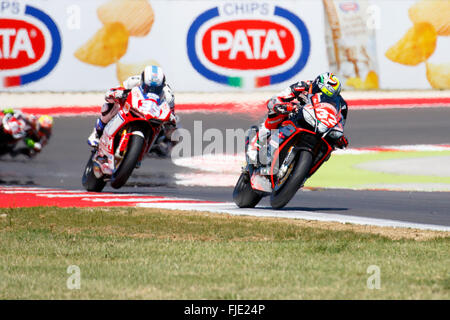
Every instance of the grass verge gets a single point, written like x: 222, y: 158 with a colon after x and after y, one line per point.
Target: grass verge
x: 341, y: 171
x: 162, y: 254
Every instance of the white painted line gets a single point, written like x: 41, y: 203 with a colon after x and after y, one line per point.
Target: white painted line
x: 89, y: 195
x: 207, y: 179
x: 8, y: 188
x: 38, y: 192
x: 143, y: 200
x: 231, y: 208
x: 126, y: 200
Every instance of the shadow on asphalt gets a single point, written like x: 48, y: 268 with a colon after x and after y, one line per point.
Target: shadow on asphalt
x: 307, y: 209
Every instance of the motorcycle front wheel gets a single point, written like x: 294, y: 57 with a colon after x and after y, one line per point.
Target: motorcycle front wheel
x: 243, y: 195
x: 89, y: 180
x: 128, y: 163
x: 282, y: 195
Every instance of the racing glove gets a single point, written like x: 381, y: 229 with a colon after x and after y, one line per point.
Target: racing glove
x: 301, y: 90
x: 342, y: 142
x: 115, y: 95
x: 36, y: 146
x: 300, y: 87
x: 283, y: 108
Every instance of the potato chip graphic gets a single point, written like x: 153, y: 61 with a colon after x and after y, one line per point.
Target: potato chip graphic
x: 416, y: 46
x: 438, y: 75
x: 107, y: 46
x: 136, y: 15
x: 371, y: 81
x: 125, y: 70
x: 436, y: 12
x: 355, y: 82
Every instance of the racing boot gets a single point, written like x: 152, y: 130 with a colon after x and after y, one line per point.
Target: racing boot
x: 252, y: 152
x: 257, y: 149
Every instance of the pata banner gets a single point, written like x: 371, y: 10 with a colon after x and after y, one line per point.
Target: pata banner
x: 212, y: 46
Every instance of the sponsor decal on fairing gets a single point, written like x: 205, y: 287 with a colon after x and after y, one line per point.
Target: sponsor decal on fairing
x: 251, y: 44
x: 30, y: 44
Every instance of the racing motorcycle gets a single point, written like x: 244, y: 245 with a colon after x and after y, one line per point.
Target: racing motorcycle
x: 125, y: 140
x: 14, y: 129
x: 293, y: 153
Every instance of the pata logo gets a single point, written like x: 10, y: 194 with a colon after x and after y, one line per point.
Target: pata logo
x: 30, y: 44
x: 255, y: 42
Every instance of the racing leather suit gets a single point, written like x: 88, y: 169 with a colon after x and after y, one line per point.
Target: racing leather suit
x: 280, y: 105
x: 116, y: 97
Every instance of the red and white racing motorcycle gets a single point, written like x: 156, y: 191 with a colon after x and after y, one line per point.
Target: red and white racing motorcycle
x: 15, y: 127
x: 297, y: 150
x: 12, y: 130
x: 125, y: 140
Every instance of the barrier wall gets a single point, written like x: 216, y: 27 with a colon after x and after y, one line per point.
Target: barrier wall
x: 62, y: 45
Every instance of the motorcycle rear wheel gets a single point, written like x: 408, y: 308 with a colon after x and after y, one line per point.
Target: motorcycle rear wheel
x: 243, y: 195
x: 89, y: 180
x: 280, y: 197
x: 127, y: 165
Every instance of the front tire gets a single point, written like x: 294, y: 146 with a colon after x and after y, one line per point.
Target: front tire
x: 131, y: 157
x: 279, y: 198
x: 243, y: 195
x: 89, y: 180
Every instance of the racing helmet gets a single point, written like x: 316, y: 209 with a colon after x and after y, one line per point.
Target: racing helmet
x: 153, y: 80
x: 45, y: 124
x: 327, y: 83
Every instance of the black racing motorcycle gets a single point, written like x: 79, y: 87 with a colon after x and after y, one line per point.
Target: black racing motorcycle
x: 287, y: 157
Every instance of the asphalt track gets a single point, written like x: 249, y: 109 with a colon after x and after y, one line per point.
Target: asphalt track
x: 61, y: 164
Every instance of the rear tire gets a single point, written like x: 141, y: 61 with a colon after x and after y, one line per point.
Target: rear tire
x: 89, y: 180
x: 121, y: 175
x: 243, y: 195
x: 282, y: 196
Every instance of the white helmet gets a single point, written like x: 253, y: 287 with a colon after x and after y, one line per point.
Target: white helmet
x: 152, y: 80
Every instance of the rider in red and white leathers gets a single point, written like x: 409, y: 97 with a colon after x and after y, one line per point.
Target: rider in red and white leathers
x: 152, y: 80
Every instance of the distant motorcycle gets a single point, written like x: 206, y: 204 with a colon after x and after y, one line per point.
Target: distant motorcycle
x: 14, y: 128
x: 303, y: 143
x: 125, y: 140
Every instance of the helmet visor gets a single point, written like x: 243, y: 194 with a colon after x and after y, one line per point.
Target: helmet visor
x: 151, y: 89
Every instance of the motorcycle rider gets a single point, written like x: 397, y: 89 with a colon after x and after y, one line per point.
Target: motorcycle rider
x: 36, y: 131
x: 279, y: 106
x: 151, y: 80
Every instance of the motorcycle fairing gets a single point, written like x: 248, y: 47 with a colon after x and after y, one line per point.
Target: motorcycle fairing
x: 260, y: 182
x: 138, y: 107
x: 150, y: 104
x: 14, y: 126
x: 302, y: 139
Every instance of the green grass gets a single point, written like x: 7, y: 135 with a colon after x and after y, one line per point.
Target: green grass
x: 341, y: 171
x: 159, y: 254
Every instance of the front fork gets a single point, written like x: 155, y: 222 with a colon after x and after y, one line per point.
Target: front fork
x: 287, y: 161
x: 123, y: 144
